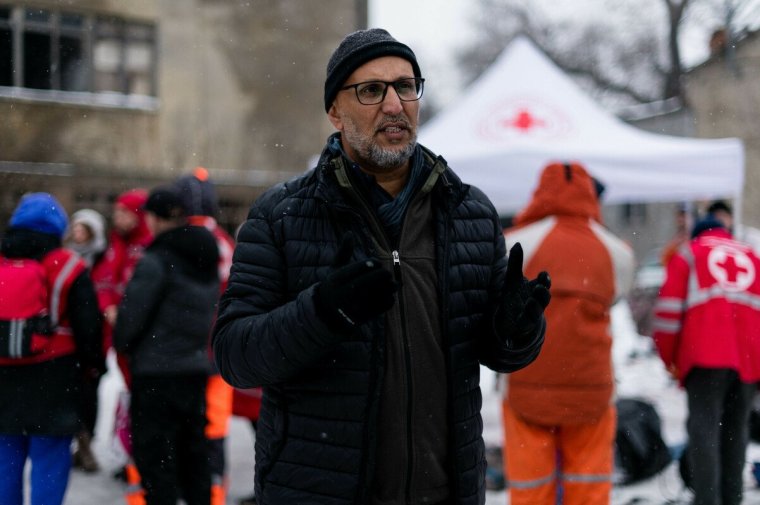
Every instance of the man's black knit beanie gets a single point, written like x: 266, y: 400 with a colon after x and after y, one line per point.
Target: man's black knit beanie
x: 357, y: 49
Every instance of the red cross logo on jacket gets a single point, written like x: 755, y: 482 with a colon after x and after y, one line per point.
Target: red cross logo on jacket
x: 731, y: 268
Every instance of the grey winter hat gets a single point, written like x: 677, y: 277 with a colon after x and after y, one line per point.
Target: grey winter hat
x: 357, y: 49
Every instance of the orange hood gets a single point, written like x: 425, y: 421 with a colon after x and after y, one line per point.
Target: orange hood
x: 565, y: 189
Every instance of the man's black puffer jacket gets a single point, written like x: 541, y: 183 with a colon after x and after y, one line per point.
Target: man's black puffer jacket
x: 315, y: 437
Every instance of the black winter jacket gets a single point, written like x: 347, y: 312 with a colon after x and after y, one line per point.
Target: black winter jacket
x: 166, y: 314
x: 316, y: 434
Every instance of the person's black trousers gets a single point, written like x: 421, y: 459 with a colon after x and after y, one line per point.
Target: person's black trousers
x: 718, y: 429
x: 168, y: 416
x: 88, y: 410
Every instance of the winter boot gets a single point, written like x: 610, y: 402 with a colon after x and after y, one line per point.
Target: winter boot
x: 84, y: 458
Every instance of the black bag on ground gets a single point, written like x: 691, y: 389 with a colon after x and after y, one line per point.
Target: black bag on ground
x: 640, y: 451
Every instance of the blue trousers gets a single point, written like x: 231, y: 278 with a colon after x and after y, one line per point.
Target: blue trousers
x: 50, y: 458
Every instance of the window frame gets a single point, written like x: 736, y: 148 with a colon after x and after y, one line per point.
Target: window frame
x: 7, y: 24
x: 87, y: 34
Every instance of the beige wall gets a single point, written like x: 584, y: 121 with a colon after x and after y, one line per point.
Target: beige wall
x: 240, y: 88
x: 726, y: 104
x: 116, y: 140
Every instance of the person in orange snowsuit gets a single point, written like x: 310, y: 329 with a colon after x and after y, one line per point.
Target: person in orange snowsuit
x: 558, y: 412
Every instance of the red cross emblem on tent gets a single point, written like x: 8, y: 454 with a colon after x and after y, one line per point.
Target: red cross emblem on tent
x: 732, y: 269
x: 523, y: 120
x: 526, y: 117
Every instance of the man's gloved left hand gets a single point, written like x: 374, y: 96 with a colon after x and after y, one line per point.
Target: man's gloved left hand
x: 519, y: 316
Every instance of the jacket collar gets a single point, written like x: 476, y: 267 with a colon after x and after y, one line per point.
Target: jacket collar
x: 332, y: 174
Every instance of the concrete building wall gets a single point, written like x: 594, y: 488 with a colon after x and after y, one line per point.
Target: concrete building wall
x: 725, y: 100
x: 239, y: 91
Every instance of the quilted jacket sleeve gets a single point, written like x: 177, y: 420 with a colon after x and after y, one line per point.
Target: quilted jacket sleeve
x: 494, y: 351
x: 262, y: 335
x: 140, y: 300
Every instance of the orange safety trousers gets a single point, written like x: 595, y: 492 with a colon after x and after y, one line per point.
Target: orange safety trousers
x: 218, y: 407
x: 218, y: 414
x: 134, y: 494
x: 574, y: 460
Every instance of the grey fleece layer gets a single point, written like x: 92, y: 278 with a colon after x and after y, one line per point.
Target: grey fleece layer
x: 412, y: 428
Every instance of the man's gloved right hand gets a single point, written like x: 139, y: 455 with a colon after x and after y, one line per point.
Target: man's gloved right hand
x: 520, y: 315
x: 353, y: 293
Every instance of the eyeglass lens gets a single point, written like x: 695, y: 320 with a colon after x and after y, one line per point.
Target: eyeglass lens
x: 370, y: 93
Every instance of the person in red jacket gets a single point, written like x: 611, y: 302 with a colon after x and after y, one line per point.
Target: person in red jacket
x: 559, y: 414
x: 707, y: 331
x: 127, y: 240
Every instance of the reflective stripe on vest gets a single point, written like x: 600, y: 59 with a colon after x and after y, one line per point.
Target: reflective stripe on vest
x: 669, y: 304
x: 55, y: 295
x: 666, y: 325
x: 16, y: 335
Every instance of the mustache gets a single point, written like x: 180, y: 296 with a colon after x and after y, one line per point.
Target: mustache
x: 400, y: 120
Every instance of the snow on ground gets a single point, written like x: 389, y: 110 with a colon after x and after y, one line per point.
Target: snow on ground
x: 102, y: 489
x: 639, y: 373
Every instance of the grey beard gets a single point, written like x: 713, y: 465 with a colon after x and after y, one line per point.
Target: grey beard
x: 383, y: 158
x: 373, y: 154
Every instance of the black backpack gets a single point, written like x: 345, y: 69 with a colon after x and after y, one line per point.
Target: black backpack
x: 640, y: 451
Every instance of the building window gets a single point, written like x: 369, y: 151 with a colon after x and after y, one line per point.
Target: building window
x: 37, y: 45
x: 123, y: 57
x: 74, y: 70
x: 44, y: 49
x: 634, y: 213
x: 6, y: 47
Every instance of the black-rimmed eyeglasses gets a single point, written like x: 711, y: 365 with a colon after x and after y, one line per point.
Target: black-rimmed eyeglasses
x: 373, y: 92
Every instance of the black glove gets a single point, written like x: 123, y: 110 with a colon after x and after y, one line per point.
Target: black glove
x: 353, y: 293
x: 519, y: 316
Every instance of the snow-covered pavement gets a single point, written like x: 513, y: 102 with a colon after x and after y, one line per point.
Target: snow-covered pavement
x: 639, y: 373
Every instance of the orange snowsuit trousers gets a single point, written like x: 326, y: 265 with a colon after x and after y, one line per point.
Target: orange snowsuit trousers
x: 218, y: 413
x: 574, y: 460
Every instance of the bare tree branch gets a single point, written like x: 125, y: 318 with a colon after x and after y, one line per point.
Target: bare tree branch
x: 642, y: 65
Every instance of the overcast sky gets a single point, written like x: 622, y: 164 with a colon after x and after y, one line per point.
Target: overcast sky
x: 434, y: 29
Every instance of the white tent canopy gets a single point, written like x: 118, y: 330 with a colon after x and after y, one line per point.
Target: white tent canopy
x: 524, y: 112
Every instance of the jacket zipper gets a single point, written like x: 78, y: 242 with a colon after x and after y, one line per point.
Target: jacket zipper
x: 408, y: 370
x: 376, y: 229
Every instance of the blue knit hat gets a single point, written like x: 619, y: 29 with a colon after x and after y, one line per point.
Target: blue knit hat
x: 40, y: 212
